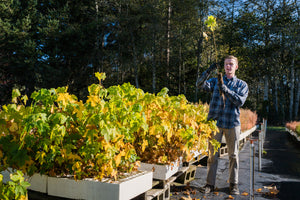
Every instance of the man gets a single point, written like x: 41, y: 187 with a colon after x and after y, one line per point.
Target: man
x: 228, y: 119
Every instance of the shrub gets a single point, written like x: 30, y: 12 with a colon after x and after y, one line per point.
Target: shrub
x: 248, y: 119
x: 58, y: 134
x: 292, y: 125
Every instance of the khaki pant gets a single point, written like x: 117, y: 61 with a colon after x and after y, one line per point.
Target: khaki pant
x: 232, y: 140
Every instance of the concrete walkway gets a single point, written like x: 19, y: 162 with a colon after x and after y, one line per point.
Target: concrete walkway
x: 287, y: 184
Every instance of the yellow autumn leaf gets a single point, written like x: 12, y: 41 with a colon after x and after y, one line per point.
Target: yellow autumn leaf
x: 107, y: 146
x: 23, y: 197
x: 118, y: 158
x: 152, y: 130
x: 144, y: 145
x: 245, y: 194
x: 65, y: 98
x: 230, y: 197
x: 79, y: 109
x: 114, y: 174
x: 161, y: 141
x: 94, y: 100
x: 258, y: 190
x: 73, y: 157
x: 40, y: 156
x: 77, y: 166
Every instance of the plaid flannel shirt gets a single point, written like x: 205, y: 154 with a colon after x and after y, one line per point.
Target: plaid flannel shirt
x: 236, y: 92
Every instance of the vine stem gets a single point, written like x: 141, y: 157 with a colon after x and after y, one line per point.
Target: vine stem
x: 220, y: 77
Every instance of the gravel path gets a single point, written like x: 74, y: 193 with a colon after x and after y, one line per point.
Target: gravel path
x: 280, y: 172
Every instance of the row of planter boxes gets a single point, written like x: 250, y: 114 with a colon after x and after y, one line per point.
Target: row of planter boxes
x: 125, y: 189
x: 90, y: 189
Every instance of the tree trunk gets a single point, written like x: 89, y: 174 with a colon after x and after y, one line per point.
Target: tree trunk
x: 292, y: 87
x: 134, y: 61
x: 266, y: 93
x: 168, y: 38
x: 276, y: 96
x: 180, y: 66
x: 297, y: 99
x: 154, y: 64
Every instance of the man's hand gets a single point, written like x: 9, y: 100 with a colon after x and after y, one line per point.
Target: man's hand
x: 212, y: 67
x: 204, y: 76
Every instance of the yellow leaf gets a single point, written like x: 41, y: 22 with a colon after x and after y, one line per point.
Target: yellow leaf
x: 230, y: 197
x: 258, y: 190
x: 118, y: 159
x: 65, y: 98
x: 73, y: 157
x: 244, y: 194
x: 144, y: 145
x: 23, y: 197
x: 94, y: 100
x: 107, y: 146
x: 114, y: 174
x: 152, y: 130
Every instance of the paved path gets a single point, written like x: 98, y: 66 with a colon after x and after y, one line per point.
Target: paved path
x: 280, y: 168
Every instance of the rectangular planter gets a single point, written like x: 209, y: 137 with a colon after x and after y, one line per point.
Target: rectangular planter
x: 121, y: 190
x: 90, y: 189
x: 66, y: 187
x: 162, y: 172
x: 37, y: 182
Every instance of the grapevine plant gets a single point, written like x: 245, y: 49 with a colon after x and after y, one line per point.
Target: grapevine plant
x: 105, y: 136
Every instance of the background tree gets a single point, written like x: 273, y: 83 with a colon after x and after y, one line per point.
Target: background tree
x: 152, y: 44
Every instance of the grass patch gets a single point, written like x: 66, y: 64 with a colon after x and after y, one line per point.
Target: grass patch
x: 276, y: 128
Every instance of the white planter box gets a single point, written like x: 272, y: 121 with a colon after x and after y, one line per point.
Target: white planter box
x: 38, y: 183
x: 162, y: 172
x: 90, y: 189
x: 66, y: 187
x: 121, y: 190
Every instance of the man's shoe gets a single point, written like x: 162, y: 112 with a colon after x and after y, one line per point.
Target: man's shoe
x: 207, y: 189
x: 233, y: 189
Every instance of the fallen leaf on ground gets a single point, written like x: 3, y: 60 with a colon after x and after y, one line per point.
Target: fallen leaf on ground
x: 186, y: 198
x: 258, y: 190
x: 216, y: 193
x: 230, y: 197
x: 272, y: 190
x: 245, y: 194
